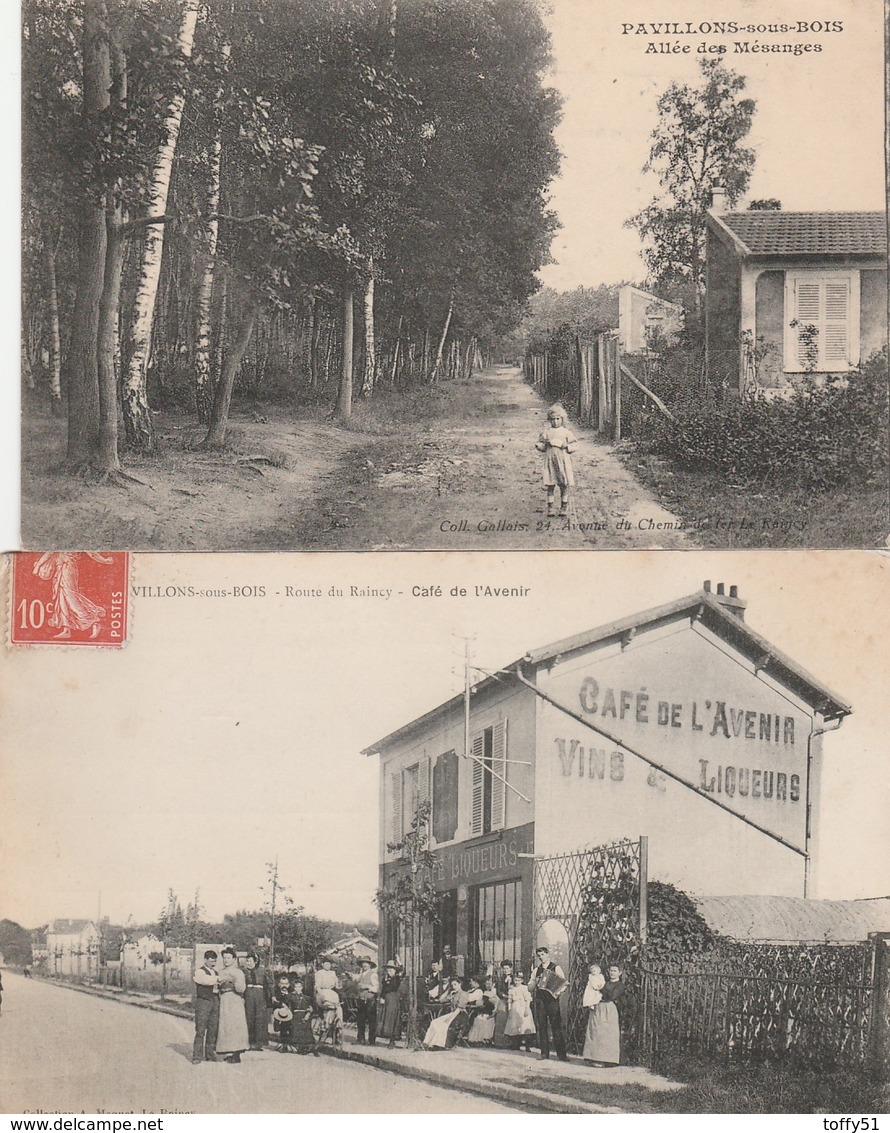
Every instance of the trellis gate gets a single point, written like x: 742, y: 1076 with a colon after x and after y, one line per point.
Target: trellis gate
x: 599, y: 896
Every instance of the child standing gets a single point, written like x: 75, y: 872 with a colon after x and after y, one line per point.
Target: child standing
x: 556, y: 443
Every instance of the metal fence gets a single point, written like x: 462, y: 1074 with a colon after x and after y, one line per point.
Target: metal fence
x: 806, y: 1003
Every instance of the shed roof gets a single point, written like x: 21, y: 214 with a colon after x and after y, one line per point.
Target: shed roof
x: 782, y: 919
x: 716, y: 613
x: 778, y: 233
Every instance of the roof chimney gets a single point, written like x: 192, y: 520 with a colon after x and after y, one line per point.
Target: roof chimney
x: 731, y: 601
x: 718, y: 199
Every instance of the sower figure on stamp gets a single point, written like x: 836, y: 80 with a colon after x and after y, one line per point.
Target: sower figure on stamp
x: 366, y: 1013
x: 548, y: 982
x: 206, y: 1010
x: 557, y: 443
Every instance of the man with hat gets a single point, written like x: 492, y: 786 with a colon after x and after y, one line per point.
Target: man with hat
x: 368, y: 990
x: 546, y: 1005
x: 206, y: 1009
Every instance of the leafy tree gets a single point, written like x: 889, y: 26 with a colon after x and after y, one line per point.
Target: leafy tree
x: 413, y: 901
x: 697, y: 146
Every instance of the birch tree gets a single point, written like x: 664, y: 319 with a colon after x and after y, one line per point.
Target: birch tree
x: 137, y: 416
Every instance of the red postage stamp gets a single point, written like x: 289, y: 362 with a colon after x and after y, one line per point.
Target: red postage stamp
x: 69, y: 598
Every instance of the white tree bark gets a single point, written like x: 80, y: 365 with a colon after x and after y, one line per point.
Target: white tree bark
x: 437, y: 365
x: 136, y: 412
x: 370, y: 369
x: 203, y: 384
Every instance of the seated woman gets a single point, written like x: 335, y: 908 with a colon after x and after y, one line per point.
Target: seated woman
x: 445, y: 1031
x: 482, y: 1026
x: 302, y: 1039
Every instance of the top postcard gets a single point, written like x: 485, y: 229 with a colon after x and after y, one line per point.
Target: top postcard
x: 348, y: 275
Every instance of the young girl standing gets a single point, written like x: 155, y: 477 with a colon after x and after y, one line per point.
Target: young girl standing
x: 557, y: 442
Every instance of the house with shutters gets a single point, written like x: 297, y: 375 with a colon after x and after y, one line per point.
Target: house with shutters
x: 792, y: 294
x: 73, y: 947
x: 680, y: 723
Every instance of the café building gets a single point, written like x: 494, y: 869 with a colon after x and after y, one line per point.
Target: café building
x: 680, y: 723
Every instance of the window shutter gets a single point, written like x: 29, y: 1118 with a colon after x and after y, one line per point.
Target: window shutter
x: 837, y: 313
x: 476, y: 809
x: 396, y: 829
x: 808, y: 314
x: 499, y: 767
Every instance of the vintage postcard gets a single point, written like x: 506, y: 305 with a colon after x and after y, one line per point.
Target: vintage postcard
x: 449, y: 834
x: 364, y: 275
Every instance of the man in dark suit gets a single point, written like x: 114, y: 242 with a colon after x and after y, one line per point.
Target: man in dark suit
x: 206, y: 1010
x: 547, y: 1013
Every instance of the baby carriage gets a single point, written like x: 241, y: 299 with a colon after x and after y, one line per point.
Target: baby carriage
x: 327, y: 1020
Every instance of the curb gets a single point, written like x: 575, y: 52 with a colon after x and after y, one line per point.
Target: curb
x: 112, y: 997
x: 497, y: 1091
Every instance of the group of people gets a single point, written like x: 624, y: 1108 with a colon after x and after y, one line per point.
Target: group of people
x: 235, y: 1005
x: 505, y: 1010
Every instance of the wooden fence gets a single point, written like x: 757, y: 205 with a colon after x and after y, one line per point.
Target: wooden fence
x: 592, y: 379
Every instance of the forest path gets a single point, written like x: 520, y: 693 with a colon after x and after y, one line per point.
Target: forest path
x: 470, y: 478
x: 452, y: 467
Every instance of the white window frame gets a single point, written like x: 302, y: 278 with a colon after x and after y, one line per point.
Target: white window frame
x: 821, y: 276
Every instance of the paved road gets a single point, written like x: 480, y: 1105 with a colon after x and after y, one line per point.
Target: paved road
x: 63, y: 1051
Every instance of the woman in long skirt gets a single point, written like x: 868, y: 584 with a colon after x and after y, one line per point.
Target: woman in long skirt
x: 602, y: 1038
x: 233, y: 1038
x: 389, y: 1017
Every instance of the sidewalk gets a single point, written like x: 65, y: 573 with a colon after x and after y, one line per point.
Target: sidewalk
x: 514, y: 1077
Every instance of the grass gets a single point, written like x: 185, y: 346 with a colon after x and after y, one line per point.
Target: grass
x: 738, y: 516
x: 717, y: 1088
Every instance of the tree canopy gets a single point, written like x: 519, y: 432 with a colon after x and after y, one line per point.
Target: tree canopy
x: 697, y: 146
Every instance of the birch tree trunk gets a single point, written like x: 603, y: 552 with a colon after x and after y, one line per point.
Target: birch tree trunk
x: 222, y: 400
x: 82, y: 363
x: 137, y: 416
x: 203, y: 376
x: 370, y: 367
x: 107, y: 457
x: 437, y: 365
x: 55, y: 338
x: 344, y: 395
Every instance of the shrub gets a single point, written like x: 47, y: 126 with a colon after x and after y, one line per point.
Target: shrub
x: 821, y: 436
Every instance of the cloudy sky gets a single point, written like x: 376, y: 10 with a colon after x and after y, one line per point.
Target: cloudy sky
x: 229, y: 731
x: 818, y: 129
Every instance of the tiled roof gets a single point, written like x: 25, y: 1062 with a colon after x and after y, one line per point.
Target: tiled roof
x: 777, y: 233
x: 794, y: 918
x: 64, y: 927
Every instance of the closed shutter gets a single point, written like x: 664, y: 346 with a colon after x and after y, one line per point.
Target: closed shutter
x: 824, y: 310
x: 808, y: 313
x: 424, y: 787
x: 478, y: 791
x: 499, y: 767
x: 835, y: 344
x: 396, y: 829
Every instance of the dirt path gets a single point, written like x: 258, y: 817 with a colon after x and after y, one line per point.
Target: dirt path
x: 472, y: 480
x: 453, y: 467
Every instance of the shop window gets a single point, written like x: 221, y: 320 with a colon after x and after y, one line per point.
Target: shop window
x: 497, y: 924
x: 489, y: 780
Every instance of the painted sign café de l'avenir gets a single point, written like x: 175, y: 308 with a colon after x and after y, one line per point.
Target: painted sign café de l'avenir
x: 680, y: 723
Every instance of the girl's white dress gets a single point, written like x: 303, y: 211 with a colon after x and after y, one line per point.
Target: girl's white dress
x: 520, y: 1020
x: 556, y: 444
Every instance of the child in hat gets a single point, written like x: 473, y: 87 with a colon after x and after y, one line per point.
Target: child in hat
x: 557, y: 442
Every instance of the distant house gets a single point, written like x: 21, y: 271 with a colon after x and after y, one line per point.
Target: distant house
x: 790, y: 294
x: 354, y: 944
x: 644, y: 318
x: 73, y: 948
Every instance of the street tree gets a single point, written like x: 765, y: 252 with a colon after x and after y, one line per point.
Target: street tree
x: 413, y: 902
x: 697, y: 146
